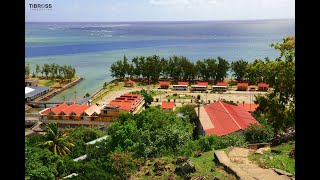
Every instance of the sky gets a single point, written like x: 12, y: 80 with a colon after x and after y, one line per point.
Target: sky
x: 157, y: 10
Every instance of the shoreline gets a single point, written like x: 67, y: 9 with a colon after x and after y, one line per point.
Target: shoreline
x: 55, y: 92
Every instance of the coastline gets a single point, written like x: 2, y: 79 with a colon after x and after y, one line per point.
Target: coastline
x: 53, y: 93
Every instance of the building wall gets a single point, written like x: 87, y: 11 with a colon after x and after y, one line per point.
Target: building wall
x: 180, y: 88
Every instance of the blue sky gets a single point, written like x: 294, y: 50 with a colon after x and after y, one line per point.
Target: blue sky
x: 158, y: 10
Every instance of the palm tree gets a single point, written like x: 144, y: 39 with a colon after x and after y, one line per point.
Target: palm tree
x: 56, y: 141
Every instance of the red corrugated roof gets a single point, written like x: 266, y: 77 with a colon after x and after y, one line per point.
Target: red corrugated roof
x: 247, y: 106
x: 263, y: 85
x: 227, y: 118
x: 243, y: 84
x: 202, y: 83
x: 59, y: 108
x: 183, y: 83
x: 124, y: 105
x: 167, y: 105
x: 166, y: 83
x: 70, y: 109
x: 221, y: 84
x: 45, y: 111
x: 79, y: 110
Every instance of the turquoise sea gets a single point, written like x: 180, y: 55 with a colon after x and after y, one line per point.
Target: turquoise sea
x: 91, y: 47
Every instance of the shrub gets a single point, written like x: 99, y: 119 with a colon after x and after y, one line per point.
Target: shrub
x: 233, y: 139
x: 205, y: 144
x: 258, y: 134
x: 198, y: 96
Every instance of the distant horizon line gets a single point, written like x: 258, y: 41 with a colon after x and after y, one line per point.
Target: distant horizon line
x: 156, y: 21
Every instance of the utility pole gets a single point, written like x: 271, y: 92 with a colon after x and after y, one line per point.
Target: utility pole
x: 75, y: 96
x: 250, y: 100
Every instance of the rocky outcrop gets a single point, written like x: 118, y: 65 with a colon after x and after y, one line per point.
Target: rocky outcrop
x: 184, y: 166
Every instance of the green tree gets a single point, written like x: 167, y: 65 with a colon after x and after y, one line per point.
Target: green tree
x: 56, y: 141
x: 278, y: 106
x: 222, y: 70
x: 26, y: 70
x: 239, y: 69
x: 37, y: 69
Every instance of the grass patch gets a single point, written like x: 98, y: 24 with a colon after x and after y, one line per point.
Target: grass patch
x: 181, y: 96
x: 109, y: 88
x: 44, y: 82
x: 279, y: 160
x: 206, y: 167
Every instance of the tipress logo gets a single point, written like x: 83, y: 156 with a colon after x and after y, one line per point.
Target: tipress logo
x: 39, y: 7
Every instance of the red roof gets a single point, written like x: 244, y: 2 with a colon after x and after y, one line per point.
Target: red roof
x: 166, y: 83
x: 263, y: 85
x: 202, y: 83
x: 183, y: 83
x: 70, y: 109
x: 247, y: 106
x: 59, y: 108
x: 80, y: 109
x: 130, y: 82
x: 124, y: 105
x: 223, y: 119
x: 222, y: 84
x: 45, y: 111
x: 167, y: 105
x: 243, y: 84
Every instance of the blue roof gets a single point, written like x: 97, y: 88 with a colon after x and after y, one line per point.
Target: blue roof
x: 84, y: 100
x: 37, y: 90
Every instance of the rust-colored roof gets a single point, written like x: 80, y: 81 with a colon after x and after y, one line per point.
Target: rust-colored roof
x: 167, y: 105
x: 243, y: 84
x: 165, y: 83
x: 221, y: 84
x: 80, y: 109
x: 56, y: 110
x: 70, y: 109
x: 130, y: 82
x: 202, y: 83
x: 247, y: 107
x: 124, y: 105
x: 92, y: 109
x: 183, y: 83
x: 220, y: 118
x: 45, y: 111
x: 263, y: 85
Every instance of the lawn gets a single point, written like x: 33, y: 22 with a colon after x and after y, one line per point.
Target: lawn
x: 206, y: 167
x: 44, y: 82
x: 279, y: 160
x: 180, y: 96
x: 109, y: 88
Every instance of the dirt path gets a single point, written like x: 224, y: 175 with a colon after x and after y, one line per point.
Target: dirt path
x: 239, y: 156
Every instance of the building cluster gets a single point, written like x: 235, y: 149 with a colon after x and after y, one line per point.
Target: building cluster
x: 220, y: 86
x: 126, y: 103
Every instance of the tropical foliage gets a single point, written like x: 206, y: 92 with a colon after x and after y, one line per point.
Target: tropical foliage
x: 53, y: 71
x: 278, y: 106
x: 56, y: 141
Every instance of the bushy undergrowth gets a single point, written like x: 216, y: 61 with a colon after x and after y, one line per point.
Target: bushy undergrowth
x: 258, y: 133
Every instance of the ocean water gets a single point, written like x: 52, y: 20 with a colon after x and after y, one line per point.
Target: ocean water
x: 92, y: 47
